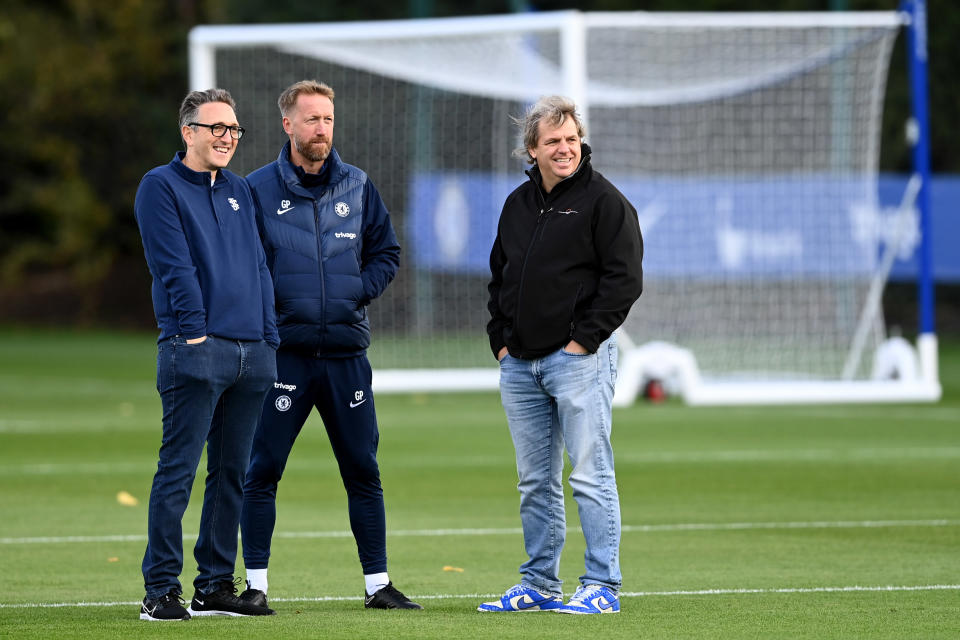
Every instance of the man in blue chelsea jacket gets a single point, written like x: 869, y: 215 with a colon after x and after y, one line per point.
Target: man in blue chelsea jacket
x: 331, y: 250
x: 216, y: 358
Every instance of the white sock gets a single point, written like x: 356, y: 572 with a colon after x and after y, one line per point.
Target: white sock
x: 257, y: 579
x: 374, y: 582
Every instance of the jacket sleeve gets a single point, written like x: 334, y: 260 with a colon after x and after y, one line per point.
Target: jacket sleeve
x: 168, y: 254
x: 270, y: 333
x: 380, y: 256
x: 619, y: 246
x: 497, y: 320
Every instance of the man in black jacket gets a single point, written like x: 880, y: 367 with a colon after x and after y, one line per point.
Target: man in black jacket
x: 566, y: 268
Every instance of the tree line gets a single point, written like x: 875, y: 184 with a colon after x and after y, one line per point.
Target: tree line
x: 90, y: 92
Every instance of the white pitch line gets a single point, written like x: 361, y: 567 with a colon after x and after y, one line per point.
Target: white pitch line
x: 794, y: 455
x: 420, y: 533
x: 480, y: 596
x: 840, y: 524
x: 850, y: 589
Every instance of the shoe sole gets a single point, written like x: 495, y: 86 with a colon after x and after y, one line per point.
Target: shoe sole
x: 232, y: 614
x: 535, y: 609
x: 585, y: 613
x: 530, y: 610
x: 147, y: 616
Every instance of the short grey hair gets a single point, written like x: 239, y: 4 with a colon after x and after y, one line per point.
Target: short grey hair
x: 305, y: 87
x: 554, y: 110
x: 195, y: 99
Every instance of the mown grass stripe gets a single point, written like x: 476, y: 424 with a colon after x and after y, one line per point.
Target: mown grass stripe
x: 649, y: 457
x: 651, y: 528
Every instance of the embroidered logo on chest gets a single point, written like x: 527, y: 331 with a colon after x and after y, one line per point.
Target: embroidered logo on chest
x: 342, y: 209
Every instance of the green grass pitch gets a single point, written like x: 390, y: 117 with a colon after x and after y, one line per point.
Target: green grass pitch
x: 789, y: 522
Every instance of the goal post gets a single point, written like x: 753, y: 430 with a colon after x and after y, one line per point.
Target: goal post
x: 920, y: 140
x: 748, y: 143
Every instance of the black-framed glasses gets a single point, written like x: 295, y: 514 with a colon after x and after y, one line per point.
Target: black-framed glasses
x: 236, y: 132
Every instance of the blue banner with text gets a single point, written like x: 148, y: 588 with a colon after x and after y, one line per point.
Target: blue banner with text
x: 769, y: 227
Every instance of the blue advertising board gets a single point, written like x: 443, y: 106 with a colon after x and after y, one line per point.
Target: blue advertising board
x: 764, y: 227
x: 945, y: 224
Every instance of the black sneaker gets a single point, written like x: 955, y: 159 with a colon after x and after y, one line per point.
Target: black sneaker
x: 224, y: 602
x: 254, y: 596
x: 166, y: 607
x: 389, y: 598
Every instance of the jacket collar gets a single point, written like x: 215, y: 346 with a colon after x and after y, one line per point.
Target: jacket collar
x: 332, y: 165
x: 582, y: 169
x: 188, y: 174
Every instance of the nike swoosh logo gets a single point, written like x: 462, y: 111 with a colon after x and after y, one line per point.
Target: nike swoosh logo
x: 601, y: 603
x: 353, y: 404
x: 368, y: 600
x: 280, y: 212
x: 199, y: 601
x: 523, y: 602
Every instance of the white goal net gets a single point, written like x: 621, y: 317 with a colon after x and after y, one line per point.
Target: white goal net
x: 748, y: 144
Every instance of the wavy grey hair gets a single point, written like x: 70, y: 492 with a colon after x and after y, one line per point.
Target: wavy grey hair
x: 552, y: 109
x: 195, y: 99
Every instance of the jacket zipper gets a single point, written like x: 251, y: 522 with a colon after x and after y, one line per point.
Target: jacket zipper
x: 213, y: 205
x: 537, y: 234
x: 573, y: 311
x: 323, y: 284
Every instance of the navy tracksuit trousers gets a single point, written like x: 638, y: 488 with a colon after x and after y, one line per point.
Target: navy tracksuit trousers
x: 340, y: 390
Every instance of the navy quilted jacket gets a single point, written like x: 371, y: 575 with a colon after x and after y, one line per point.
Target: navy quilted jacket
x: 330, y: 254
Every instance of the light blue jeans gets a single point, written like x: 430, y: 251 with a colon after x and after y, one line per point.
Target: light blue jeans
x: 564, y: 399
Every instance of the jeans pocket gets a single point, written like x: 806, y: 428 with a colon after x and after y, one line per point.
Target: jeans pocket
x: 193, y: 361
x: 260, y: 363
x: 614, y: 353
x: 270, y: 356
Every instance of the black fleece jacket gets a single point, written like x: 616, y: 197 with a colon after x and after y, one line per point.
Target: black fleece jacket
x: 566, y: 265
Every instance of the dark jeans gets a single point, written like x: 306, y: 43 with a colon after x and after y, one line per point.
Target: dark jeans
x: 211, y: 393
x: 340, y: 390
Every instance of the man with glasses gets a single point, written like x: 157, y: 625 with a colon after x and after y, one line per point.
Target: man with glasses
x: 216, y: 356
x: 332, y: 250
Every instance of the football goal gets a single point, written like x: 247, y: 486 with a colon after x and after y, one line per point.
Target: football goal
x: 748, y: 143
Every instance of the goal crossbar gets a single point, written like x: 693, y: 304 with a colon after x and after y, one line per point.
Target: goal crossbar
x: 748, y: 143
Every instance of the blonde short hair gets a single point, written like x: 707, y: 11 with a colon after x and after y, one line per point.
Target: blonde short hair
x: 305, y: 87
